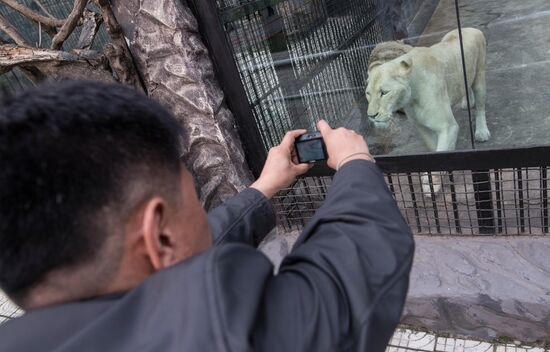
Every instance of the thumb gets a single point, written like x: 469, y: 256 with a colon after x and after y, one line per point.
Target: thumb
x: 302, y: 168
x: 323, y: 127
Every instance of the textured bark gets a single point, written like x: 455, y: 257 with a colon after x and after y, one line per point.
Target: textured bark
x: 70, y: 24
x: 90, y: 26
x: 85, y: 64
x: 118, y: 52
x: 178, y: 72
x: 11, y: 31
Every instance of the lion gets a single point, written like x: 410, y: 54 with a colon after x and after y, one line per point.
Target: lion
x: 426, y: 82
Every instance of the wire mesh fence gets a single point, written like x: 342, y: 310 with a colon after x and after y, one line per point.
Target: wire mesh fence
x: 507, y: 201
x: 300, y: 60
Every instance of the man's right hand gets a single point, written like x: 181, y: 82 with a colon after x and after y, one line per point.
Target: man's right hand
x: 343, y: 145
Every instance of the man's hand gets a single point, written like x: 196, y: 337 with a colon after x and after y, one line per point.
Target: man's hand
x: 343, y: 145
x: 281, y: 167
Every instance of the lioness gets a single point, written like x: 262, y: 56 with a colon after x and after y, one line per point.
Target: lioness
x: 425, y: 82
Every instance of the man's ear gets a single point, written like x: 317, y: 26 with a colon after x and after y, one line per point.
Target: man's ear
x: 406, y: 66
x: 159, y: 243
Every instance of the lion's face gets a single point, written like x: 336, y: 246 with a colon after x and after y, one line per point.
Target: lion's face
x: 388, y: 90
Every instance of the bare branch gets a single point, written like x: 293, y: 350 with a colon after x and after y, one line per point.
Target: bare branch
x: 10, y: 30
x: 30, y: 14
x: 85, y: 64
x: 118, y: 53
x: 13, y: 55
x: 43, y: 8
x: 70, y: 24
x: 91, y: 22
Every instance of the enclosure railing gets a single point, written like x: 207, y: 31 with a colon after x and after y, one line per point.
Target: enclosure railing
x: 498, y: 192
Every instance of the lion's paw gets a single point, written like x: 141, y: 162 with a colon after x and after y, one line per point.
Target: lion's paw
x: 436, y: 184
x: 483, y: 135
x: 428, y: 192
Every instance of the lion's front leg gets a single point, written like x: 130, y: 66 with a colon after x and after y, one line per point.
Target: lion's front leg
x: 447, y: 136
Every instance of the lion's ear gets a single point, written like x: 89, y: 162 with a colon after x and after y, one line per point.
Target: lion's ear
x: 406, y: 65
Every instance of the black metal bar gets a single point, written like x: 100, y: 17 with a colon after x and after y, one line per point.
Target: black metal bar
x: 544, y: 175
x: 454, y: 202
x: 528, y: 208
x: 415, y: 205
x: 213, y: 34
x: 520, y: 195
x: 390, y: 182
x: 535, y: 156
x: 466, y: 85
x: 484, y: 202
x: 434, y: 203
x: 499, y: 200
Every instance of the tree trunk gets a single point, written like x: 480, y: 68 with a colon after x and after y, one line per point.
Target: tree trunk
x: 176, y: 70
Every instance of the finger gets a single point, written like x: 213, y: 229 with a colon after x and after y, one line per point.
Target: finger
x: 302, y: 168
x: 290, y: 136
x: 323, y: 127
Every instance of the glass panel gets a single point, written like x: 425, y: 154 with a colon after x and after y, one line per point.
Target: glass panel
x: 303, y: 60
x: 517, y: 70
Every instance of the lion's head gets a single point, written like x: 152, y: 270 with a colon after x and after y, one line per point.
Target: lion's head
x: 388, y: 89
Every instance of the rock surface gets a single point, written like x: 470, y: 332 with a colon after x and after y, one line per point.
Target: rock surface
x: 483, y: 287
x: 177, y: 71
x: 472, y: 286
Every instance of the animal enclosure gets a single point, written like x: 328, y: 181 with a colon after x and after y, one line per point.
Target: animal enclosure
x: 297, y: 61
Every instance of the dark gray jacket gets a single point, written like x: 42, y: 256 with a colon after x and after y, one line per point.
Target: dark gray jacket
x: 342, y: 288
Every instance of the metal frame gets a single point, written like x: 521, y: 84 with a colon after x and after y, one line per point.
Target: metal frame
x: 486, y: 167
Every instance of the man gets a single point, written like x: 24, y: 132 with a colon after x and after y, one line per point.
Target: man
x: 105, y: 245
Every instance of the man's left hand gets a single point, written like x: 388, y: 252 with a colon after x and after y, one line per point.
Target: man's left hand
x: 281, y: 167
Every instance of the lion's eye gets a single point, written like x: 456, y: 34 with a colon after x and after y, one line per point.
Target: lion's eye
x: 383, y: 92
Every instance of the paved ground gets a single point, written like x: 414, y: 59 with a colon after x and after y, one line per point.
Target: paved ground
x: 518, y: 71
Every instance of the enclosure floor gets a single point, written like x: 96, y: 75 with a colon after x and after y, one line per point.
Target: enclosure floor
x: 518, y: 72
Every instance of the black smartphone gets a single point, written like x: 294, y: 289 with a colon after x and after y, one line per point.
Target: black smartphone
x: 310, y: 147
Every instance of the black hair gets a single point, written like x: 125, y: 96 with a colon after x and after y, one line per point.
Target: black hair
x: 68, y: 151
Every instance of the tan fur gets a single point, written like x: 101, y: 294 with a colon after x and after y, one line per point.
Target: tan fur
x: 426, y: 82
x: 387, y: 51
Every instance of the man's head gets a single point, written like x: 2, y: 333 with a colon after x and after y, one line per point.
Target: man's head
x: 93, y: 196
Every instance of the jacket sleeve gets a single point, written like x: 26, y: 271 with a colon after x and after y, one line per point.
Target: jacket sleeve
x: 343, y: 286
x: 246, y: 218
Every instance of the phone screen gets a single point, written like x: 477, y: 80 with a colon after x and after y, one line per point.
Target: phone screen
x: 310, y: 150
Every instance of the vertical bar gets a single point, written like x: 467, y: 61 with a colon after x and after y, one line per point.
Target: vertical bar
x: 390, y: 182
x: 466, y: 85
x: 466, y: 193
x: 415, y: 205
x: 520, y: 195
x: 484, y: 201
x: 434, y: 203
x: 528, y: 199
x: 544, y: 199
x: 499, y: 200
x: 454, y: 202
